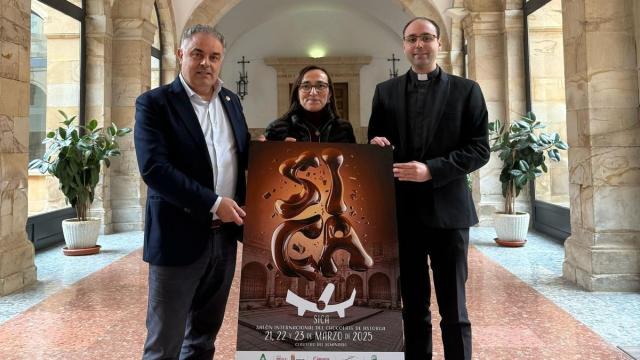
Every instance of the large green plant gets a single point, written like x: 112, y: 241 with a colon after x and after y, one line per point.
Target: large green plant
x: 74, y: 156
x: 522, y: 152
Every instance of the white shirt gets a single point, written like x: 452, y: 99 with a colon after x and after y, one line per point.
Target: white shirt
x: 221, y: 143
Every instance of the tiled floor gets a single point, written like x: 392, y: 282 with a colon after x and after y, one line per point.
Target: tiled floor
x: 614, y: 316
x: 519, y: 306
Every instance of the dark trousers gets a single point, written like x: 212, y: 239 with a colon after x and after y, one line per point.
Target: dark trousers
x: 447, y: 251
x: 187, y: 303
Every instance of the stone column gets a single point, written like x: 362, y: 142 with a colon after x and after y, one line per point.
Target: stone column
x: 457, y: 53
x: 271, y: 287
x: 169, y: 42
x: 515, y: 98
x: 365, y: 287
x: 131, y: 77
x: 489, y: 65
x: 601, y: 73
x: 17, y: 268
x: 99, y: 37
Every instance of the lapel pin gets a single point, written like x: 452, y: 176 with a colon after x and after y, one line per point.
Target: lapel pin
x: 227, y: 98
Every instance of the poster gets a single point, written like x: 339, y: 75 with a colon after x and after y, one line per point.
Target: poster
x: 320, y: 272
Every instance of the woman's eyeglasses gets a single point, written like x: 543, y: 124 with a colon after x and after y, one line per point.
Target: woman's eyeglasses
x: 320, y: 87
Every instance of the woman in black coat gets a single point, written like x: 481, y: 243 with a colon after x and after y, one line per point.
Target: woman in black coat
x: 313, y: 115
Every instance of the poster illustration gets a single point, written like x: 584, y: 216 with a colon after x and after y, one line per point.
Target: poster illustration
x: 320, y: 272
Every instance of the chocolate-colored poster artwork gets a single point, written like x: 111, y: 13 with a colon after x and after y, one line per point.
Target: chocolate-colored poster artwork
x: 320, y: 272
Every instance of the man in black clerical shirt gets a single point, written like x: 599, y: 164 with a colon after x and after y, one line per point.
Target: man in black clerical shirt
x: 437, y: 125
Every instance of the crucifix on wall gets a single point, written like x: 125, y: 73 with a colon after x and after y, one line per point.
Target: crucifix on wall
x: 393, y: 72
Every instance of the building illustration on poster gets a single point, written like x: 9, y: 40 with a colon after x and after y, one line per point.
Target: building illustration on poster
x: 320, y: 273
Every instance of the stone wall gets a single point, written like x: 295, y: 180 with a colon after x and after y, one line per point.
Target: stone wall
x: 17, y: 268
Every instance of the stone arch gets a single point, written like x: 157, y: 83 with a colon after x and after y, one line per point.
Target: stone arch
x: 169, y: 40
x: 379, y: 287
x: 253, y: 284
x: 210, y: 12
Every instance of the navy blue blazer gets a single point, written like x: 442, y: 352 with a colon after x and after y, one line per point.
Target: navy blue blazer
x: 456, y: 144
x: 174, y: 163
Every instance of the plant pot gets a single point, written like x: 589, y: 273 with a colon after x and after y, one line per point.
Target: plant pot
x: 81, y: 235
x: 511, y: 229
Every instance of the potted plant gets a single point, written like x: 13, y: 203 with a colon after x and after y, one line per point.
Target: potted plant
x: 74, y: 156
x: 522, y: 150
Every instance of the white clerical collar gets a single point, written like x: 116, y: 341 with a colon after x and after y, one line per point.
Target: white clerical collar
x: 216, y: 88
x: 423, y: 77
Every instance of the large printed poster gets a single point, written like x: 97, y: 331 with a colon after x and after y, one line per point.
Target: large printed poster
x: 320, y: 273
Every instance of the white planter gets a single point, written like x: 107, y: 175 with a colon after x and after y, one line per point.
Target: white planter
x: 512, y: 227
x: 81, y: 234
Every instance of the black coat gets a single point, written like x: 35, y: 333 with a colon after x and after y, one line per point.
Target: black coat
x: 456, y: 144
x: 333, y: 130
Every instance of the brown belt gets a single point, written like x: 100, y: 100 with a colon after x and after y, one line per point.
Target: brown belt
x: 216, y: 224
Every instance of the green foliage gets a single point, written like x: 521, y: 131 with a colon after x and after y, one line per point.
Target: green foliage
x: 74, y: 155
x: 522, y: 149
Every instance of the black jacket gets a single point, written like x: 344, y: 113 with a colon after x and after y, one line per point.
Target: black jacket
x: 333, y: 130
x: 174, y: 162
x: 456, y: 144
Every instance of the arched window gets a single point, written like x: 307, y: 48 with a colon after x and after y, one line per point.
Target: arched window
x: 379, y: 287
x: 253, y: 284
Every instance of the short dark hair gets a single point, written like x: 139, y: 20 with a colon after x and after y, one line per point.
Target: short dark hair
x: 201, y: 28
x: 295, y: 105
x: 424, y: 19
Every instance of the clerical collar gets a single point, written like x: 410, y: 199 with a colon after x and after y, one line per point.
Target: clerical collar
x: 424, y: 77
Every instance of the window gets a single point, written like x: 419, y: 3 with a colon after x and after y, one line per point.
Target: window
x: 544, y: 63
x: 57, y: 83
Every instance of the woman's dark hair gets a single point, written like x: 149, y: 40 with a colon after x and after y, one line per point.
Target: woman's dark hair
x: 296, y: 107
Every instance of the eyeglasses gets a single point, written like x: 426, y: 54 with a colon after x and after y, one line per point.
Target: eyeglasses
x: 425, y: 38
x: 320, y: 87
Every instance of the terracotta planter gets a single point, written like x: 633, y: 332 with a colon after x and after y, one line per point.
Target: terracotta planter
x: 81, y: 235
x: 511, y: 229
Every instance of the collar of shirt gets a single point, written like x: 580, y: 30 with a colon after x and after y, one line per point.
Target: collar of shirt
x: 192, y: 94
x: 424, y: 77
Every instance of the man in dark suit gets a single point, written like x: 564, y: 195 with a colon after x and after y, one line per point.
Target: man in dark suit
x: 191, y: 142
x: 437, y: 125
